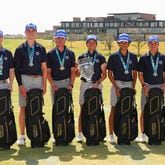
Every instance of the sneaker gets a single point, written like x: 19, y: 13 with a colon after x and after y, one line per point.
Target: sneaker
x: 111, y: 139
x: 80, y: 137
x: 53, y: 140
x: 21, y: 141
x: 143, y: 138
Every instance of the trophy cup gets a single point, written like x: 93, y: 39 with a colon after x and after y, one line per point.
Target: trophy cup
x: 86, y: 68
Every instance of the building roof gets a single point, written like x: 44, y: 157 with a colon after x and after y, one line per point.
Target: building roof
x: 128, y: 13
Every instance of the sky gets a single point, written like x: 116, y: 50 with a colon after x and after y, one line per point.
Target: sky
x: 15, y: 14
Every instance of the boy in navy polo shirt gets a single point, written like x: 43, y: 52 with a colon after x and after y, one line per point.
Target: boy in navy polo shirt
x: 6, y: 67
x: 98, y: 76
x: 150, y: 72
x: 122, y: 73
x: 61, y: 65
x: 30, y: 70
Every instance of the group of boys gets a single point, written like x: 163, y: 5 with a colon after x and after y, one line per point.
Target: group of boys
x: 32, y: 67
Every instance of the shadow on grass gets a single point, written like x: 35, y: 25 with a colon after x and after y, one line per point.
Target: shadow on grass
x: 157, y: 149
x: 32, y: 155
x: 99, y: 152
x: 133, y: 150
x: 138, y: 151
x: 65, y: 153
x: 6, y: 154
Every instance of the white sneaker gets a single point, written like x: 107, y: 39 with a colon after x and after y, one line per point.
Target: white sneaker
x: 80, y: 137
x: 111, y: 139
x: 21, y: 140
x: 143, y: 138
x: 53, y: 140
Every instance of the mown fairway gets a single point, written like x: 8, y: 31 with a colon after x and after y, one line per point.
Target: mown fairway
x: 75, y: 153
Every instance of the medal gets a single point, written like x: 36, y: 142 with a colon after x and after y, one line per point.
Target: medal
x: 31, y: 64
x: 31, y: 55
x: 126, y: 72
x: 61, y: 61
x: 155, y: 65
x: 155, y: 74
x: 125, y: 64
x: 62, y: 68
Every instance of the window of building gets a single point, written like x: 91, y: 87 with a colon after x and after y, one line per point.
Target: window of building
x: 77, y: 25
x: 160, y: 24
x: 84, y: 25
x: 96, y: 24
x: 111, y: 24
x: 106, y: 24
x: 115, y: 24
x: 101, y: 24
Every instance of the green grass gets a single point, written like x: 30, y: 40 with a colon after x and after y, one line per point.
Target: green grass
x: 76, y: 153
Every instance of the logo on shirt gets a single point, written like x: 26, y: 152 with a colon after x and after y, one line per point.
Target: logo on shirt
x: 37, y: 53
x: 160, y: 62
x: 5, y: 58
x: 67, y: 57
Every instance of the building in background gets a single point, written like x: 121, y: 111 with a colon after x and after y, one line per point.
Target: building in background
x: 141, y: 24
x: 135, y: 24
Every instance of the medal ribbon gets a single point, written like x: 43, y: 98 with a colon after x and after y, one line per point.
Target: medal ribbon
x: 125, y: 65
x: 1, y: 62
x: 61, y: 61
x: 31, y: 54
x: 155, y: 66
x: 93, y: 59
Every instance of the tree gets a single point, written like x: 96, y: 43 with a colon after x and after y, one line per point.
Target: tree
x: 139, y: 43
x: 109, y: 39
x: 71, y: 38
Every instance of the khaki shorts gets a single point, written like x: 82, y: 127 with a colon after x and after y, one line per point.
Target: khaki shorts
x: 143, y: 97
x: 83, y: 87
x: 29, y: 82
x: 60, y: 84
x: 121, y: 84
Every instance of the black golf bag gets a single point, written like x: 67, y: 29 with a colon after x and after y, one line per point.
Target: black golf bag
x: 154, y: 121
x: 63, y: 117
x: 8, y: 133
x: 92, y: 117
x: 37, y: 127
x: 125, y: 117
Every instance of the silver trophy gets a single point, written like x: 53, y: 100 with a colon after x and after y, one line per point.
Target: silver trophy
x: 86, y: 68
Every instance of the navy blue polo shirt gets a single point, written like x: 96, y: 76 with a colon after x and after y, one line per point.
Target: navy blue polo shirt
x: 21, y: 61
x: 98, y: 61
x: 115, y: 65
x: 145, y: 66
x: 54, y: 65
x: 7, y: 63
